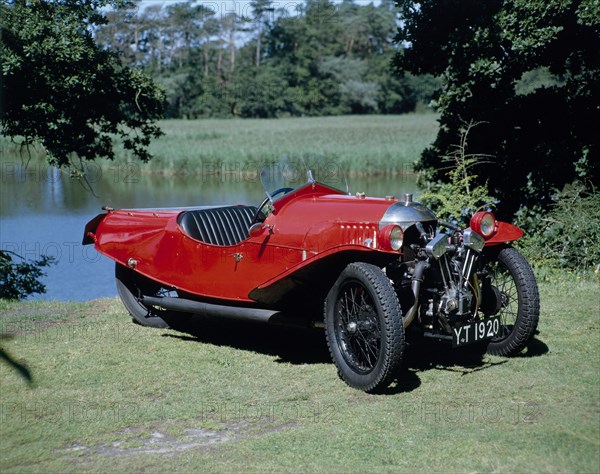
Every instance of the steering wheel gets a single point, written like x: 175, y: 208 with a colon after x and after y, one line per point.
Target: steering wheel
x: 259, y: 216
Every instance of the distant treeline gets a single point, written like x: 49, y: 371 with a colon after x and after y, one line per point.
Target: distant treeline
x: 268, y: 59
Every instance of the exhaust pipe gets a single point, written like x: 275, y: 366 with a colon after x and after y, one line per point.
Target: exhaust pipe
x: 233, y: 312
x: 420, y: 268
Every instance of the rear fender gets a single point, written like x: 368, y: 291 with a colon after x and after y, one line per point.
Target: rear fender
x: 89, y: 234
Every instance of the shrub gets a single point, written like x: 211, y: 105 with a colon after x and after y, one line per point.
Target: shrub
x: 568, y: 236
x: 19, y: 280
x: 459, y: 198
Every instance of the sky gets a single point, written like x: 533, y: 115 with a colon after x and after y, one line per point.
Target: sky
x: 242, y: 8
x: 224, y: 7
x: 241, y: 5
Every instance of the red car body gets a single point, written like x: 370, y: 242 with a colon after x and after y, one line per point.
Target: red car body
x: 311, y: 234
x: 372, y: 267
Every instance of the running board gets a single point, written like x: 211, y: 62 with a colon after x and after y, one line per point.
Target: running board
x: 209, y: 309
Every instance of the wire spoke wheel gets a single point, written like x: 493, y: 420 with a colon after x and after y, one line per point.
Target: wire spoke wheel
x: 508, y: 298
x: 517, y: 302
x: 357, y: 328
x: 363, y: 324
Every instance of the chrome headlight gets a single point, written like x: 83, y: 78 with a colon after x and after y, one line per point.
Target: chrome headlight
x: 391, y: 237
x: 484, y: 223
x: 396, y: 238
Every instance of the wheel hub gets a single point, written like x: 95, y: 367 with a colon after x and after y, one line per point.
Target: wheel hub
x: 493, y: 300
x: 503, y: 300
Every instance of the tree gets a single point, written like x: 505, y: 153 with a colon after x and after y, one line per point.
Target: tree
x: 326, y: 58
x: 19, y: 279
x: 355, y: 94
x: 541, y: 136
x: 297, y: 44
x: 60, y: 88
x: 263, y: 11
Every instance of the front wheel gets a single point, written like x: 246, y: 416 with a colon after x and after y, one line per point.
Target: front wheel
x: 512, y: 294
x: 363, y: 324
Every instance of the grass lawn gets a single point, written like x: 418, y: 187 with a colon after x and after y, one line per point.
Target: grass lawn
x: 239, y: 397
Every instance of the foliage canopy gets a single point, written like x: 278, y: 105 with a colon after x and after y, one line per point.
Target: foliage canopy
x: 529, y: 69
x: 19, y: 279
x: 63, y: 90
x: 266, y: 59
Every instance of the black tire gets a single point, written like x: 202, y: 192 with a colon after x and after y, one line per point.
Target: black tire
x: 516, y: 301
x: 363, y: 324
x: 131, y: 285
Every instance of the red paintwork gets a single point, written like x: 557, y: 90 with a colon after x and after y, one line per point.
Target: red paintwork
x: 306, y: 225
x: 505, y: 233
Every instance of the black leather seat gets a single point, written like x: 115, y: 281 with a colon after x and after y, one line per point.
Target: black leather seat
x: 219, y: 225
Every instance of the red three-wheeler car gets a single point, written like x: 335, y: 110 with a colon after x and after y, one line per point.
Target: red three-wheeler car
x: 365, y: 268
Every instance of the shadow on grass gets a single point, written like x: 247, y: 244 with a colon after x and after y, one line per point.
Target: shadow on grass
x: 289, y: 344
x: 20, y: 367
x: 428, y: 354
x: 308, y: 346
x: 407, y: 381
x: 535, y: 348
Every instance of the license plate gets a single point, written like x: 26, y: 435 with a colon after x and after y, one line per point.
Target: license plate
x: 475, y: 331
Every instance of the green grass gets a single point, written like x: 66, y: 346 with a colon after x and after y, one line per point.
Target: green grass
x: 367, y: 144
x: 227, y: 396
x: 362, y: 144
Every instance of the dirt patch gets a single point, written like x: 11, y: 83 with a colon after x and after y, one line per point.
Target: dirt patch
x: 137, y: 441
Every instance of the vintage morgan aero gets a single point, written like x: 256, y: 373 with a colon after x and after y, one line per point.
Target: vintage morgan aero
x: 367, y: 269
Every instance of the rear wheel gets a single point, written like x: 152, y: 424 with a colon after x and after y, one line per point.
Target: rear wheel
x: 512, y: 294
x: 131, y: 286
x: 363, y: 324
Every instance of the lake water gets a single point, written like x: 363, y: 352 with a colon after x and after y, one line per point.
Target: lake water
x: 43, y: 211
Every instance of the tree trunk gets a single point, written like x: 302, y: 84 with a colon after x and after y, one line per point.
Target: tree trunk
x: 206, y: 58
x: 258, y: 50
x: 159, y: 59
x: 350, y: 45
x: 232, y: 49
x: 220, y: 62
